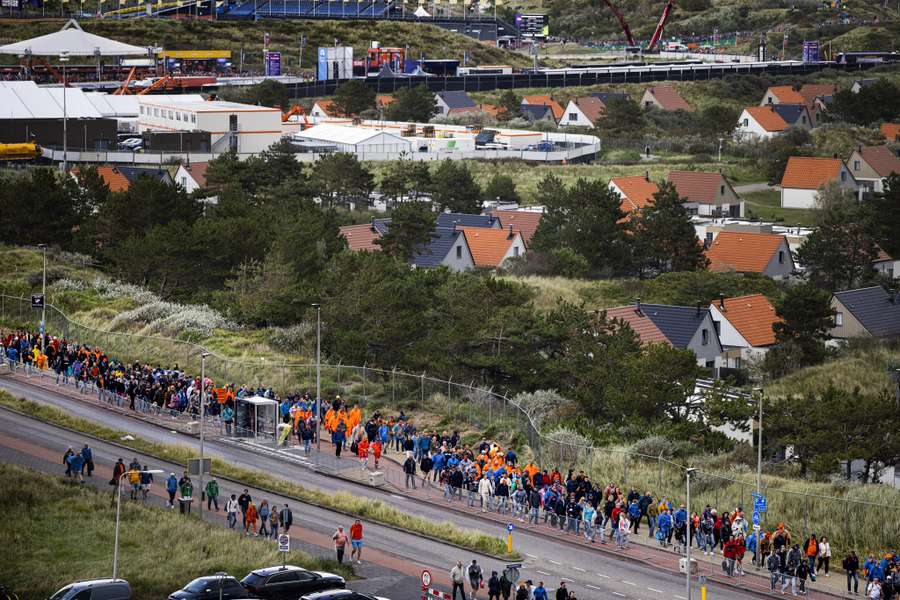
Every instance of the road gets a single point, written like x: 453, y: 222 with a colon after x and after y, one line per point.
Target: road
x: 587, y: 572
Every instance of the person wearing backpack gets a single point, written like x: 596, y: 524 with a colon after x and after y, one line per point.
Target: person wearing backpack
x: 476, y: 577
x: 794, y: 557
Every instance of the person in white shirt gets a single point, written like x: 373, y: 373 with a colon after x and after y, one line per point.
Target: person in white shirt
x: 824, y: 555
x: 231, y: 509
x: 485, y: 490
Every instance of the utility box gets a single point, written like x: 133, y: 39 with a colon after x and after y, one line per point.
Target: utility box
x: 335, y: 62
x: 682, y: 565
x: 193, y: 428
x: 376, y: 479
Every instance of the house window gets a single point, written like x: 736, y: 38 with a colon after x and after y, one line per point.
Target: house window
x: 856, y: 165
x: 721, y: 190
x: 746, y: 122
x: 573, y: 116
x: 155, y: 112
x: 839, y: 319
x: 770, y: 99
x: 184, y: 182
x: 177, y: 116
x: 704, y: 336
x: 193, y: 118
x: 142, y: 110
x: 516, y: 251
x: 843, y: 176
x: 718, y: 326
x: 459, y: 253
x: 781, y: 257
x: 803, y: 119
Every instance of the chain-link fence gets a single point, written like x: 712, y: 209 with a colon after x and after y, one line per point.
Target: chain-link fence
x: 846, y: 518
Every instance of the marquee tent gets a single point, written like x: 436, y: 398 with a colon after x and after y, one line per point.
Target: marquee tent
x: 74, y: 40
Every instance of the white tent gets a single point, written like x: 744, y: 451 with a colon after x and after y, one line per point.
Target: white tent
x: 421, y: 12
x: 74, y: 40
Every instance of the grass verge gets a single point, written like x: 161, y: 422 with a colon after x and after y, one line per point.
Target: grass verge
x: 767, y: 206
x: 48, y: 520
x: 371, y: 510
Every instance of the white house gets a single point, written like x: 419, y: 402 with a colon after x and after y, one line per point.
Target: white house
x: 804, y: 175
x: 871, y: 165
x: 764, y: 122
x: 744, y: 325
x: 583, y: 112
x: 243, y: 128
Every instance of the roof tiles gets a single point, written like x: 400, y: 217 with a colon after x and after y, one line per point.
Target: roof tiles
x: 881, y: 159
x: 361, y: 237
x: 697, y: 186
x: 488, y: 246
x: 873, y: 308
x: 742, y: 251
x: 669, y: 98
x: 636, y: 190
x: 638, y: 320
x: 767, y: 118
x: 810, y: 173
x: 524, y: 222
x: 752, y: 316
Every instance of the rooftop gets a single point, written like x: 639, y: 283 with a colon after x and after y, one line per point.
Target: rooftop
x: 445, y: 219
x: 810, y: 173
x: 457, y: 99
x: 361, y: 237
x: 524, y: 222
x: 645, y: 329
x: 558, y: 110
x: 593, y: 108
x: 206, y: 106
x: 637, y: 191
x: 753, y: 317
x: 786, y: 94
x: 669, y: 98
x: 743, y: 252
x: 881, y: 159
x: 890, y: 131
x: 697, y: 186
x: 874, y: 309
x: 488, y: 246
x: 767, y: 117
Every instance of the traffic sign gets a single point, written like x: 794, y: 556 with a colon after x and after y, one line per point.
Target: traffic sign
x: 284, y: 542
x: 755, y: 517
x: 759, y: 504
x: 37, y: 301
x: 509, y: 527
x: 756, y: 528
x: 426, y: 578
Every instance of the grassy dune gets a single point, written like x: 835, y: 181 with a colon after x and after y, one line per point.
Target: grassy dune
x: 48, y: 519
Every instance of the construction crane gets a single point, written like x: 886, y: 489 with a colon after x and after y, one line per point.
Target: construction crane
x: 295, y: 110
x: 657, y: 34
x: 163, y: 81
x: 121, y: 91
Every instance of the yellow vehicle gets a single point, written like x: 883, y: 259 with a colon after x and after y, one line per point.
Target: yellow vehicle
x: 23, y: 151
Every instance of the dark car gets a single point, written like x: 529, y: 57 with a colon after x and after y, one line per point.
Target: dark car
x: 95, y: 589
x: 289, y: 582
x: 211, y: 587
x: 341, y: 595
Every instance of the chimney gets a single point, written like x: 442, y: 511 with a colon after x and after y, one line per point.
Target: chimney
x: 647, y: 175
x: 637, y: 306
x: 859, y: 148
x: 511, y: 234
x: 699, y: 309
x: 721, y: 300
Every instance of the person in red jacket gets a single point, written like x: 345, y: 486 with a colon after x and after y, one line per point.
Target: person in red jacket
x: 730, y: 553
x: 740, y: 548
x: 362, y: 450
x: 376, y: 451
x: 356, y: 541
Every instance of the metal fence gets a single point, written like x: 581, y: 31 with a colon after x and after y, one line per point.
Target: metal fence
x: 846, y: 518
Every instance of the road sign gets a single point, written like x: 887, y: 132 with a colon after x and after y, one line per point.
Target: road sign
x: 756, y: 528
x: 759, y: 504
x: 194, y: 466
x: 426, y: 578
x: 284, y: 542
x: 755, y: 518
x: 509, y: 527
x: 37, y: 301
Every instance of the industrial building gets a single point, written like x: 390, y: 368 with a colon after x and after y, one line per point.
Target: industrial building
x: 242, y: 128
x: 356, y: 140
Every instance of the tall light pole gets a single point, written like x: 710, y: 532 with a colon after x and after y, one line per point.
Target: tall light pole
x: 759, y: 440
x: 63, y: 59
x: 119, y: 512
x: 43, y: 248
x: 687, y: 533
x: 318, y: 308
x: 203, y: 356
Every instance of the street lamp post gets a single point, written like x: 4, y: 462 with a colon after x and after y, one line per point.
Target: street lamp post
x: 63, y: 59
x: 759, y: 441
x: 687, y: 533
x: 203, y: 356
x: 118, y: 514
x: 43, y: 248
x: 318, y: 308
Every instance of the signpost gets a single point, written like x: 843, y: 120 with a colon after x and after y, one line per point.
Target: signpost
x: 759, y: 503
x: 755, y: 518
x: 509, y: 530
x: 272, y: 62
x: 284, y: 546
x: 37, y: 301
x: 426, y: 578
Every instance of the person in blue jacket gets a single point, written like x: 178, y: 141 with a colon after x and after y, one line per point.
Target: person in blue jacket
x: 664, y: 533
x: 680, y: 519
x: 172, y: 488
x: 88, y: 455
x: 76, y: 464
x: 338, y: 438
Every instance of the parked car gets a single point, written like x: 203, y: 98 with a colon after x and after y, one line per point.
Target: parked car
x: 289, y: 582
x: 208, y: 588
x: 341, y: 595
x: 95, y: 589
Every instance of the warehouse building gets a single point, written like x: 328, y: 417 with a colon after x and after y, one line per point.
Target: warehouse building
x: 356, y: 140
x: 243, y: 128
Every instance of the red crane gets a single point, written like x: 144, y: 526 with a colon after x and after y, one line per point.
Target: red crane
x: 667, y: 11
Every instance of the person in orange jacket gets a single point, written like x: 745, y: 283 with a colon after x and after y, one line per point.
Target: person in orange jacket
x: 376, y: 451
x: 362, y: 451
x: 251, y: 519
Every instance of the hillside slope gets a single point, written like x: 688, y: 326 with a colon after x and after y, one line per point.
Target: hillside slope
x: 284, y: 34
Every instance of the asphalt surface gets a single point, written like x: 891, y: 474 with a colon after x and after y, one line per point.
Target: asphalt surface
x: 589, y: 573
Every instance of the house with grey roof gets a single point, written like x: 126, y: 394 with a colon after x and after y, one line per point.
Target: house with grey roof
x: 448, y: 219
x: 448, y: 248
x: 866, y: 312
x: 455, y: 102
x: 795, y: 115
x: 537, y: 112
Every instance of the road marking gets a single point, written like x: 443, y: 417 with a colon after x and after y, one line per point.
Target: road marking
x: 593, y: 587
x: 628, y: 582
x: 579, y: 569
x: 542, y: 573
x: 681, y: 597
x: 656, y: 590
x: 603, y: 576
x: 396, y: 496
x: 567, y: 579
x: 530, y: 555
x: 618, y: 594
x: 553, y: 561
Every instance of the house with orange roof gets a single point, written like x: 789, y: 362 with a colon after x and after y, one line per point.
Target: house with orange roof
x: 554, y: 106
x: 871, y: 165
x: 805, y: 175
x: 583, y: 112
x: 525, y: 222
x: 764, y: 122
x: 323, y: 109
x: 707, y: 194
x: 809, y: 95
x: 890, y: 131
x: 635, y: 191
x: 491, y: 247
x: 781, y: 94
x: 115, y: 180
x: 362, y: 237
x: 664, y: 97
x: 886, y: 264
x: 745, y: 252
x: 682, y: 327
x: 744, y: 325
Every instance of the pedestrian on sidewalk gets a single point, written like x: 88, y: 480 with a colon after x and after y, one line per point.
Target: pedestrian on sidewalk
x: 505, y: 586
x: 66, y: 462
x: 802, y: 575
x: 851, y: 566
x: 561, y: 592
x: 522, y: 592
x: 493, y: 586
x: 476, y: 577
x: 212, y: 494
x: 425, y: 466
x: 789, y: 573
x: 186, y: 487
x: 457, y: 578
x: 250, y: 519
x: 409, y: 469
x: 263, y: 512
x: 286, y: 516
x: 540, y: 593
x: 824, y: 556
x: 362, y: 451
x: 88, y: 455
x: 146, y: 482
x: 340, y: 544
x: 273, y: 522
x: 244, y: 502
x: 774, y: 566
x: 356, y: 541
x: 76, y: 464
x: 376, y: 447
x: 171, y: 488
x: 231, y: 509
x: 811, y: 552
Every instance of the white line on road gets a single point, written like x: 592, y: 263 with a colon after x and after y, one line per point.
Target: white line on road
x: 656, y: 590
x: 396, y: 496
x: 579, y: 569
x: 567, y: 579
x: 603, y: 576
x: 618, y: 594
x: 628, y: 582
x: 593, y: 587
x: 530, y: 555
x: 543, y: 573
x: 554, y: 562
x: 681, y: 597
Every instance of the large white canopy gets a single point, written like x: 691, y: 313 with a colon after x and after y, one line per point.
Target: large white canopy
x: 74, y: 40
